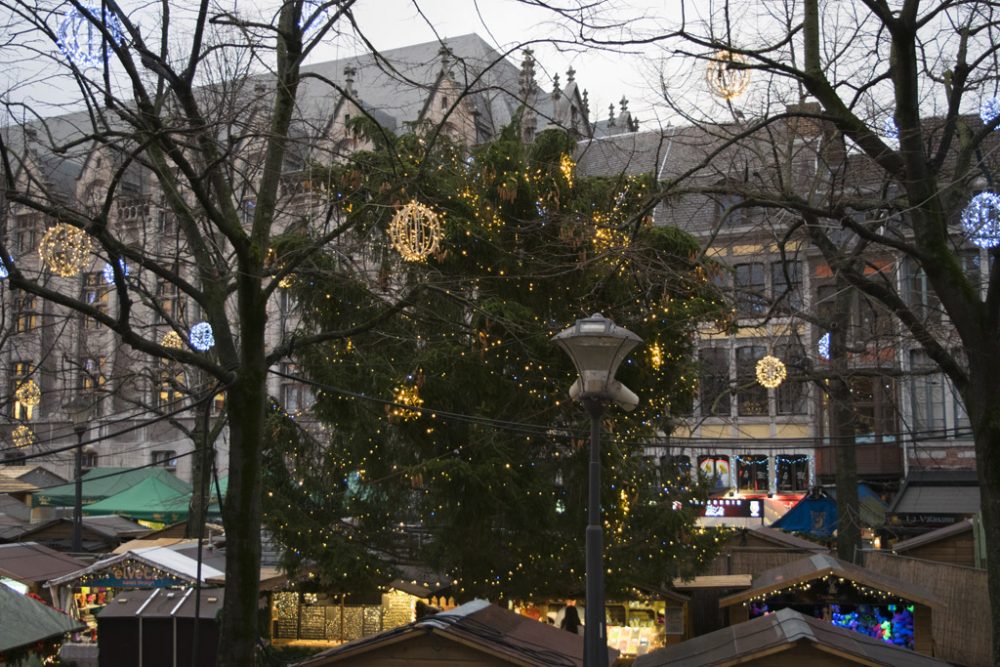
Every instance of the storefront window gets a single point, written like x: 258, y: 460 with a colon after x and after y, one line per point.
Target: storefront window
x: 715, y: 470
x: 752, y: 473
x: 793, y: 472
x: 751, y: 396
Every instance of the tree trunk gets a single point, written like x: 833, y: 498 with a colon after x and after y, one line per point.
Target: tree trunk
x: 841, y: 421
x: 201, y: 472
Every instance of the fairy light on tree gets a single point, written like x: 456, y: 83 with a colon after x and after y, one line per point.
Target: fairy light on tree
x: 415, y: 232
x: 771, y: 371
x: 108, y: 272
x: 64, y: 249
x: 656, y: 356
x: 172, y: 340
x: 405, y: 397
x: 728, y: 74
x: 201, y: 337
x: 981, y: 220
x: 80, y: 36
x: 22, y: 436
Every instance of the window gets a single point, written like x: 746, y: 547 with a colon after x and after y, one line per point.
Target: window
x: 169, y: 301
x: 750, y: 289
x: 793, y: 472
x: 296, y: 397
x: 95, y: 294
x: 444, y: 101
x: 751, y: 396
x: 713, y: 382
x: 165, y: 458
x: 26, y: 316
x: 873, y: 319
x: 171, y: 389
x: 88, y: 459
x: 752, y: 473
x: 786, y: 285
x: 825, y: 301
x: 14, y: 459
x: 92, y: 373
x: 927, y: 396
x: 22, y: 372
x: 730, y: 207
x: 715, y: 469
x: 874, y: 409
x: 919, y: 295
x: 790, y: 396
x: 25, y: 233
x: 675, y: 467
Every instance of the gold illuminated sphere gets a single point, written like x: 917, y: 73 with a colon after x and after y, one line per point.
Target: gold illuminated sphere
x: 23, y: 436
x: 64, y: 249
x: 406, y: 396
x: 415, y: 232
x: 727, y: 74
x: 771, y: 371
x: 28, y: 393
x: 172, y: 340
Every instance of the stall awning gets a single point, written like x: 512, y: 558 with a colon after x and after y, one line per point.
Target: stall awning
x: 101, y: 483
x: 152, y: 499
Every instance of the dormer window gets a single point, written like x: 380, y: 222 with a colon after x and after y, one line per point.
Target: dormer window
x: 444, y: 101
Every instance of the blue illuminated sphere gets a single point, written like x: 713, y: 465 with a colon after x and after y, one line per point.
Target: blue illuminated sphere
x: 823, y: 345
x: 201, y: 337
x: 80, y: 39
x: 3, y: 269
x: 889, y: 128
x: 989, y: 110
x: 981, y: 220
x: 109, y: 271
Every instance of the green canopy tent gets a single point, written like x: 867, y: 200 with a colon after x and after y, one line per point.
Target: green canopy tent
x: 101, y: 483
x: 152, y: 499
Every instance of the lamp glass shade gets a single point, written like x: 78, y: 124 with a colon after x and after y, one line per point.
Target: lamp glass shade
x: 597, y: 347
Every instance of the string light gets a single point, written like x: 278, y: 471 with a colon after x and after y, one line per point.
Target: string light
x: 172, y: 340
x: 23, y: 436
x: 771, y: 372
x: 415, y: 232
x: 656, y: 356
x: 64, y: 249
x: 201, y: 337
x: 108, y: 272
x: 80, y: 38
x: 728, y: 74
x: 28, y: 393
x: 889, y: 128
x: 981, y: 220
x: 566, y: 167
x: 989, y: 110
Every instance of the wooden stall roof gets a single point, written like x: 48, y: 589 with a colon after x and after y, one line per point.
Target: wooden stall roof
x: 821, y: 565
x: 30, y: 562
x: 163, y: 603
x: 11, y: 484
x: 957, y: 528
x: 502, y: 636
x: 715, y: 581
x: 781, y: 539
x: 783, y: 630
x: 26, y: 621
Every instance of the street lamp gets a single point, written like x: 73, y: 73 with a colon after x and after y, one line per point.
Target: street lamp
x: 597, y: 347
x: 79, y: 413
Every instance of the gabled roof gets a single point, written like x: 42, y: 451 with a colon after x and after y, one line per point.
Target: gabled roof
x: 938, y: 492
x: 27, y: 621
x: 166, y: 559
x: 506, y: 636
x: 781, y: 631
x: 821, y: 565
x: 11, y: 484
x: 782, y: 539
x: 33, y: 563
x: 957, y: 528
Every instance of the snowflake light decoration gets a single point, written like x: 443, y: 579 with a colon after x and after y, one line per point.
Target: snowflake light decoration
x: 771, y: 372
x: 415, y: 232
x: 989, y: 110
x: 727, y: 74
x: 23, y: 436
x: 823, y: 346
x: 80, y: 38
x: 108, y: 272
x: 981, y: 220
x: 172, y: 340
x: 889, y: 128
x: 201, y: 337
x: 64, y: 249
x: 28, y: 393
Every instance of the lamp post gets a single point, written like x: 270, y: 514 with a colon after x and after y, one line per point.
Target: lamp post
x: 79, y: 414
x: 597, y: 347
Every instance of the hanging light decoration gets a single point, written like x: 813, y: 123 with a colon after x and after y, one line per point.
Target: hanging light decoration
x: 108, y: 272
x: 566, y: 167
x: 172, y: 340
x: 981, y: 220
x: 989, y: 110
x: 28, y: 393
x: 4, y: 273
x: 771, y: 371
x: 405, y: 397
x: 201, y: 337
x: 64, y: 249
x: 889, y: 128
x: 728, y: 74
x: 23, y: 436
x: 655, y: 356
x: 823, y: 346
x: 80, y: 38
x: 415, y: 232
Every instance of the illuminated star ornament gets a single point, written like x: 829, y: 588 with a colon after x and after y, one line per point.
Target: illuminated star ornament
x: 981, y: 220
x: 109, y: 271
x: 727, y: 74
x: 771, y: 372
x: 64, y: 249
x: 415, y: 232
x: 989, y: 110
x: 201, y: 337
x: 81, y: 38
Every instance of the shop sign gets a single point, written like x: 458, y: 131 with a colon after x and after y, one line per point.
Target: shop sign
x: 923, y: 519
x: 133, y: 575
x: 751, y: 508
